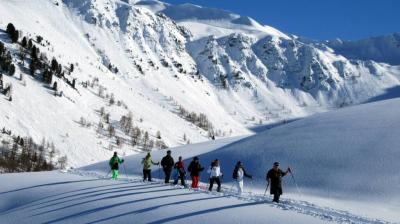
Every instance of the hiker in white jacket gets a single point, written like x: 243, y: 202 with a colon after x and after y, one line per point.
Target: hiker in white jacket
x: 215, y: 174
x: 238, y: 174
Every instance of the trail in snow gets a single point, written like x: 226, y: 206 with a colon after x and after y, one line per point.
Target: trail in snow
x: 303, y: 207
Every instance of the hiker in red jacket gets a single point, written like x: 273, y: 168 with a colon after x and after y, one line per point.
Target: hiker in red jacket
x: 180, y: 168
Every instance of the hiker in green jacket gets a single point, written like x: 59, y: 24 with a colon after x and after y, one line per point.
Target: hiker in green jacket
x: 147, y: 162
x: 114, y: 165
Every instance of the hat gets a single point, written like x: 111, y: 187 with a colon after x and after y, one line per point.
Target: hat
x: 276, y: 163
x: 115, y: 153
x: 169, y: 151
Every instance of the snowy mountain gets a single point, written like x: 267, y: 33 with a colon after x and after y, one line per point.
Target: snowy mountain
x: 150, y: 75
x: 381, y: 49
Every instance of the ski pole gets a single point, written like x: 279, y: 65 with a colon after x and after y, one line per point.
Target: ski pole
x: 266, y: 189
x: 107, y: 174
x: 159, y: 172
x: 230, y: 189
x: 123, y: 165
x: 251, y: 187
x: 294, y: 180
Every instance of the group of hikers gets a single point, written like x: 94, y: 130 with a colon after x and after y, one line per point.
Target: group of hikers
x: 178, y: 172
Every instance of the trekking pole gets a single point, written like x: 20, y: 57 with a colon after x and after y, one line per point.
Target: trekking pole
x: 251, y: 187
x: 159, y: 172
x: 266, y: 189
x: 294, y: 180
x: 107, y: 174
x: 123, y: 165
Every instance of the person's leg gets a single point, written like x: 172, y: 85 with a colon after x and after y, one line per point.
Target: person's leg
x: 113, y: 174
x: 176, y: 177
x: 116, y: 174
x: 240, y: 187
x: 211, y: 183
x: 182, y: 177
x: 219, y: 183
x: 167, y: 175
x: 144, y: 175
x: 195, y: 181
x: 276, y: 198
x: 149, y: 174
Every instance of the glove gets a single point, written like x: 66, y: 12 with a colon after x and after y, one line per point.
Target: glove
x: 251, y: 177
x: 122, y: 160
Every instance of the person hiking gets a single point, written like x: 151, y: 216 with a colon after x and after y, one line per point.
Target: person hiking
x: 238, y: 174
x: 215, y: 174
x: 274, y: 179
x: 195, y: 168
x: 147, y: 162
x: 167, y: 164
x: 114, y: 165
x: 181, y: 173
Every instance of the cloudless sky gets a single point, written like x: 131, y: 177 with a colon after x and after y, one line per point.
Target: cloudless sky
x: 317, y: 19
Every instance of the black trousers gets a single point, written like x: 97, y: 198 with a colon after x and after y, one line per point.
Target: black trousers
x: 167, y: 173
x: 182, y: 178
x: 276, y: 198
x: 212, y: 180
x: 146, y: 175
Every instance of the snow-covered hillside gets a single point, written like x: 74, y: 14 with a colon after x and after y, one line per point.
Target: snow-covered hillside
x: 349, y: 155
x: 137, y: 71
x: 345, y: 163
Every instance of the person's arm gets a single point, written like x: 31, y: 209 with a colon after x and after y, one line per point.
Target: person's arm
x: 286, y: 172
x: 268, y: 177
x: 190, y: 167
x: 120, y: 160
x: 163, y: 162
x: 246, y: 174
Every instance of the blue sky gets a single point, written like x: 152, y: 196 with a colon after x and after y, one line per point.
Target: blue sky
x: 318, y: 19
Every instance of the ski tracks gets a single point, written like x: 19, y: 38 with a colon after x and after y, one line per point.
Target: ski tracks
x: 302, y: 207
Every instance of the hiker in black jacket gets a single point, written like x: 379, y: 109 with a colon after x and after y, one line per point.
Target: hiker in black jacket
x: 274, y: 178
x: 167, y: 164
x: 195, y: 168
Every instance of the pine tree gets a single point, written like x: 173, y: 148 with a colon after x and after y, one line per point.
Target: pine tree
x: 11, y: 69
x: 12, y: 32
x: 32, y: 68
x: 24, y: 42
x: 146, y: 141
x: 30, y: 44
x: 54, y: 64
x: 34, y: 52
x: 55, y: 86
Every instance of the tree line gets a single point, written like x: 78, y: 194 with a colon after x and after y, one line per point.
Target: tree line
x: 22, y: 154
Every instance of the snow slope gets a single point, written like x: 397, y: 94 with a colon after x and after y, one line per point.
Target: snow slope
x: 348, y: 155
x: 234, y: 70
x: 330, y: 153
x: 64, y: 198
